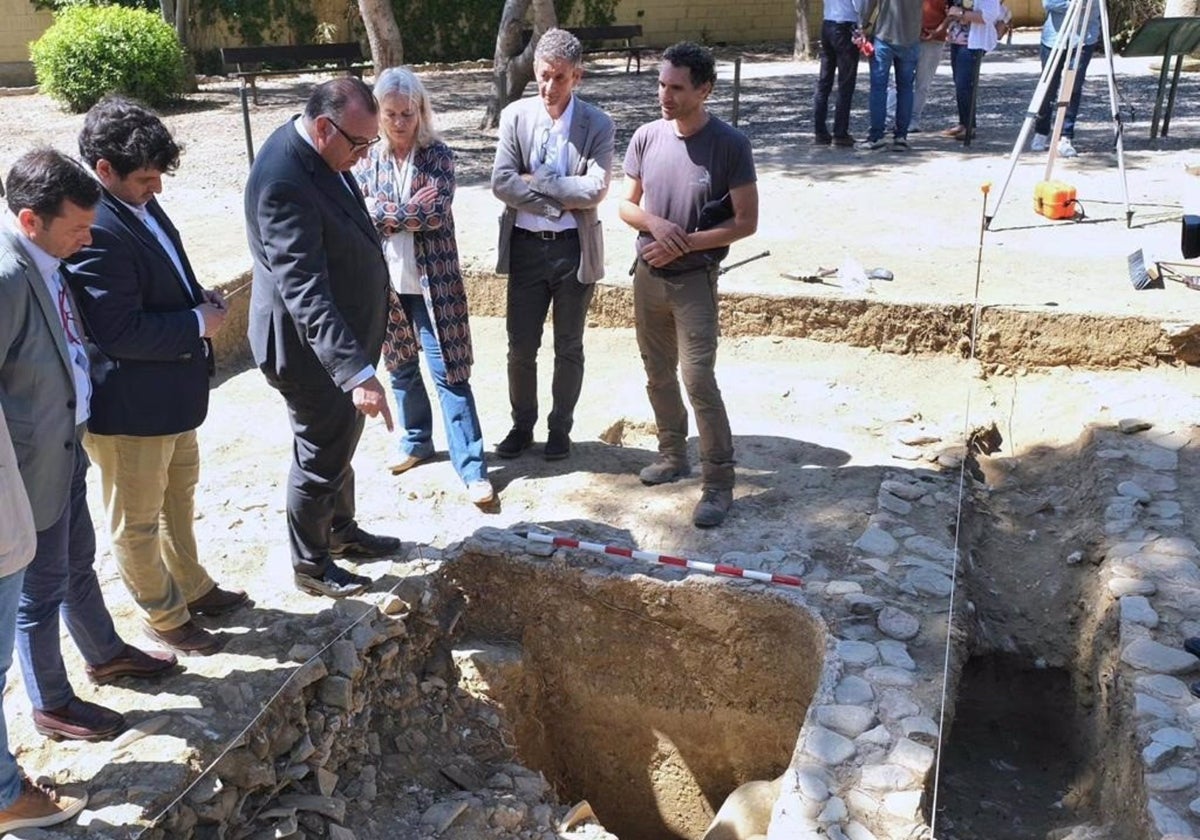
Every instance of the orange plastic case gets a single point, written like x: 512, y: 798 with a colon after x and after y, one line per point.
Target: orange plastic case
x: 1054, y: 200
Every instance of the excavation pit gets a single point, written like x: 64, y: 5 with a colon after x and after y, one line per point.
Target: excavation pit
x: 652, y: 700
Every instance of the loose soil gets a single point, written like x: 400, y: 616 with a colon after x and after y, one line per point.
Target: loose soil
x: 816, y: 424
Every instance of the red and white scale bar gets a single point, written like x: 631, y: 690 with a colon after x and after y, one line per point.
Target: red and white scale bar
x: 665, y: 559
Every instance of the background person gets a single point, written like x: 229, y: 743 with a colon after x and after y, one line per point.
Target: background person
x: 45, y: 390
x: 673, y: 168
x: 972, y: 35
x: 1055, y: 11
x: 896, y: 33
x: 839, y: 56
x: 408, y: 183
x: 142, y: 306
x: 318, y: 310
x: 552, y: 169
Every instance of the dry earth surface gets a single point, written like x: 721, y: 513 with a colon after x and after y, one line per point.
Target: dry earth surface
x: 817, y: 424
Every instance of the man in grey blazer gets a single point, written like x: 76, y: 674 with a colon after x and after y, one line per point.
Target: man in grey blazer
x: 552, y: 170
x: 45, y: 390
x: 318, y: 311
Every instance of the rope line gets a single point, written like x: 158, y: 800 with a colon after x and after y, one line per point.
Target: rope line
x: 958, y: 514
x: 237, y: 740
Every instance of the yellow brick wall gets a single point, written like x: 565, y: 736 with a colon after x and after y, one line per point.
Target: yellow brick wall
x: 21, y: 25
x: 667, y: 21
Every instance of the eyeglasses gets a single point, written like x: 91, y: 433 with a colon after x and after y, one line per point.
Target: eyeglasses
x: 356, y: 144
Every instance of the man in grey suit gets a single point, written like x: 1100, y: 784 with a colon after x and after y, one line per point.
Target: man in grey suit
x: 552, y: 170
x: 318, y: 312
x: 45, y: 390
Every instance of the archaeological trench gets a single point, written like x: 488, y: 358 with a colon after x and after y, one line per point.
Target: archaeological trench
x: 604, y: 697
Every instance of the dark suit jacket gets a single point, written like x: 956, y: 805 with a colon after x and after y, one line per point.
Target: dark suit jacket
x: 318, y: 308
x: 138, y: 312
x: 37, y: 384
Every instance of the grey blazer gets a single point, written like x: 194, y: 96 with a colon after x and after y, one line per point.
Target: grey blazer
x: 37, y: 387
x: 590, y: 154
x: 318, y: 305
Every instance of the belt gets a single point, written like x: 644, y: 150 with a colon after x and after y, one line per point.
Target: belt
x: 546, y: 235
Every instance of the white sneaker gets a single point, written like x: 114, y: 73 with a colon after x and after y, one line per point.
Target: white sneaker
x: 481, y: 493
x: 1065, y: 149
x: 1041, y: 142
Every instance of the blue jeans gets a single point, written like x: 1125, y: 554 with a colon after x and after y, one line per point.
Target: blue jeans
x: 1042, y: 124
x: 10, y: 596
x: 963, y: 62
x: 904, y: 59
x: 463, y: 435
x: 61, y: 581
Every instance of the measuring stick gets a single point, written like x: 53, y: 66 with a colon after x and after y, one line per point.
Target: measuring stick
x: 665, y: 559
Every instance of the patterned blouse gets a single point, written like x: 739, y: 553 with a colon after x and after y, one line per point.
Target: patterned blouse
x: 436, y: 251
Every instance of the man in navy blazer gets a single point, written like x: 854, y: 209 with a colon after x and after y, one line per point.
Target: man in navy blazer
x: 45, y: 390
x: 145, y: 311
x: 318, y: 312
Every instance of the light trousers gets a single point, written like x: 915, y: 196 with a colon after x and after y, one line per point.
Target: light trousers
x: 148, y: 485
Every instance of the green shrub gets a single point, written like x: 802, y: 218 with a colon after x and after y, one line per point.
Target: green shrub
x: 89, y: 52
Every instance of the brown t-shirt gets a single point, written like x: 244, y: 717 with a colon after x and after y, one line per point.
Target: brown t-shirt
x: 680, y: 174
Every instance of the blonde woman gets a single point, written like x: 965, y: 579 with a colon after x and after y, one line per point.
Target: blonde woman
x: 408, y: 184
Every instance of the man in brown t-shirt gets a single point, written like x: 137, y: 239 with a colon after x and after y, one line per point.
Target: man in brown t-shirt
x: 675, y: 168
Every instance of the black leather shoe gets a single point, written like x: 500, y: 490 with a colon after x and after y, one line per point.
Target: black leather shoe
x: 335, y: 583
x: 517, y: 441
x: 133, y: 663
x: 1192, y: 645
x: 558, y: 446
x: 79, y: 720
x: 362, y: 544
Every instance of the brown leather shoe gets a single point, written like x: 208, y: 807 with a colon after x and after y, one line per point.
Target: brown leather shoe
x: 133, y: 663
x: 218, y: 601
x: 189, y: 639
x: 79, y: 720
x: 40, y: 805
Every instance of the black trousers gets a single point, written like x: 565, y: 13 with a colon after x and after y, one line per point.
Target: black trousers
x: 838, y: 54
x: 320, y: 490
x: 543, y: 279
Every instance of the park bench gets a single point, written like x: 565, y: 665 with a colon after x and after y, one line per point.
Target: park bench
x: 593, y: 38
x: 288, y: 60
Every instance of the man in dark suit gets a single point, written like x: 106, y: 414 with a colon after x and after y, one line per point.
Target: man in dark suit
x: 145, y: 311
x: 318, y: 312
x: 45, y: 390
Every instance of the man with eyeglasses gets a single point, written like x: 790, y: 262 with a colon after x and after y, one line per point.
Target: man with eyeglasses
x: 552, y: 169
x: 318, y: 312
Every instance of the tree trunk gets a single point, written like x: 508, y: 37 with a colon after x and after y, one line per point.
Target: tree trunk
x: 512, y: 67
x: 383, y: 34
x: 802, y: 45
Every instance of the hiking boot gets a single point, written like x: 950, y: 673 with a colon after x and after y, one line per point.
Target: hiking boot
x: 665, y: 470
x: 714, y: 504
x: 38, y: 806
x: 1041, y: 143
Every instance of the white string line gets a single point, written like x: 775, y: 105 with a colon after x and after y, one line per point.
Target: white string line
x: 237, y: 740
x: 962, y: 474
